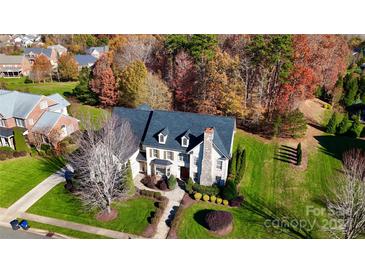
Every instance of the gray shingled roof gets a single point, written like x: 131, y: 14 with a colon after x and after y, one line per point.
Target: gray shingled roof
x: 85, y: 59
x: 61, y: 102
x: 17, y: 104
x: 11, y: 59
x: 99, y: 49
x: 47, y: 52
x: 179, y: 124
x: 46, y: 122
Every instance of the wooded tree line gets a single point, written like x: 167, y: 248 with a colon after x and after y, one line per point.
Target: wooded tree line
x: 255, y: 77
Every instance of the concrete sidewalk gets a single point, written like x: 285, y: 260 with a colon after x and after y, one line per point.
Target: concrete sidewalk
x: 25, y: 202
x: 79, y: 227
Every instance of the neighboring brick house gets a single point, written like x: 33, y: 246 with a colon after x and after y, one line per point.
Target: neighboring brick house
x: 14, y: 66
x: 42, y: 117
x: 181, y: 144
x: 50, y: 53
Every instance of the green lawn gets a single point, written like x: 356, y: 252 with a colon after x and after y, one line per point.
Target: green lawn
x: 60, y: 204
x: 280, y: 185
x: 86, y: 113
x: 38, y: 88
x: 18, y: 176
x: 65, y: 231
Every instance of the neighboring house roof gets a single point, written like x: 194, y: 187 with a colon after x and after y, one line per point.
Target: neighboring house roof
x: 149, y: 124
x: 37, y: 51
x: 46, y: 122
x: 61, y: 102
x: 20, y: 104
x: 58, y: 48
x: 17, y: 104
x: 85, y: 59
x: 6, y: 132
x: 11, y: 59
x: 98, y: 49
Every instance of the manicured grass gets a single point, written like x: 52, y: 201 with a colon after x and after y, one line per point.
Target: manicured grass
x: 245, y: 224
x: 86, y: 113
x: 65, y: 231
x: 58, y: 203
x: 38, y: 88
x: 281, y: 185
x: 18, y: 176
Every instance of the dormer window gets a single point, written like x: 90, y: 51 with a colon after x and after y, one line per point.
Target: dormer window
x: 162, y: 136
x: 184, y: 141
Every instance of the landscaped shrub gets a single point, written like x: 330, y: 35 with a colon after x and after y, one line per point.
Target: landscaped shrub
x: 157, y: 195
x: 33, y: 152
x: 236, y: 202
x: 332, y: 123
x: 18, y: 154
x: 197, y: 196
x: 225, y: 202
x: 162, y: 185
x: 233, y: 165
x: 149, y: 181
x: 344, y: 126
x: 189, y: 186
x: 213, y: 198
x: 219, y: 201
x: 9, y: 149
x: 4, y: 155
x: 171, y: 182
x: 241, y: 166
x: 206, y: 197
x: 42, y: 153
x: 19, y: 140
x: 230, y: 190
x: 209, y: 190
x: 217, y: 220
x: 45, y: 147
x: 356, y: 129
x: 299, y: 154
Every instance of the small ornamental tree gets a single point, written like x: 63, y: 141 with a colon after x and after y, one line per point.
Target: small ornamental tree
x: 241, y: 166
x: 171, y: 182
x: 356, y: 128
x: 332, y: 123
x: 344, y: 126
x: 41, y: 69
x: 67, y: 67
x: 233, y: 164
x: 299, y: 154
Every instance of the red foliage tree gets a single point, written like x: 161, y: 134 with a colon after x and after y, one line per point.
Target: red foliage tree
x: 103, y: 82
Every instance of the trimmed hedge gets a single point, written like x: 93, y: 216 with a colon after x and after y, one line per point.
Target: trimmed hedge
x: 128, y: 180
x: 19, y: 140
x: 171, y: 182
x: 197, y: 196
x: 209, y: 190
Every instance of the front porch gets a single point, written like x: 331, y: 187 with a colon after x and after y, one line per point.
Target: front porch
x: 6, y: 137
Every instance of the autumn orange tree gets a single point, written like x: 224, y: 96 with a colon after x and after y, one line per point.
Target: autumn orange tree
x: 67, y: 67
x: 41, y: 69
x: 103, y: 82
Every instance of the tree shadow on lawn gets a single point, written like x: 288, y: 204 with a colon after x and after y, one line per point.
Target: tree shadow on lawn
x: 52, y: 164
x: 286, y: 154
x: 199, y: 217
x: 335, y: 146
x: 276, y: 219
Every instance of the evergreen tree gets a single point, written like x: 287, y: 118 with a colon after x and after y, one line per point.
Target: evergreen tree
x: 128, y: 180
x: 299, y: 154
x: 351, y: 88
x: 332, y: 123
x: 242, y: 166
x: 82, y: 90
x: 356, y: 129
x: 230, y: 190
x: 344, y: 126
x: 233, y: 164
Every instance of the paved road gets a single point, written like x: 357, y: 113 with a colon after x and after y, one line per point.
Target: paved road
x: 8, y: 233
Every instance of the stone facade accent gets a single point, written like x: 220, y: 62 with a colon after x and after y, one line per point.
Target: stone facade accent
x: 206, y: 177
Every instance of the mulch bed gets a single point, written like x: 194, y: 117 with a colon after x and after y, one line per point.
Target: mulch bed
x: 224, y: 231
x: 107, y: 217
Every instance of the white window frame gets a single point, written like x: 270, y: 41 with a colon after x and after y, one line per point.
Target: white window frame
x: 162, y: 138
x: 195, y: 160
x: 168, y: 154
x: 155, y: 153
x: 63, y: 130
x: 219, y: 164
x: 184, y: 141
x: 195, y: 177
x: 20, y: 122
x: 2, y: 123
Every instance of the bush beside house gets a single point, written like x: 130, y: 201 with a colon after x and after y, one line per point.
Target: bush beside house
x: 19, y: 139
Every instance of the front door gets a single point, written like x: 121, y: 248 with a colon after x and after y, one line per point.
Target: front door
x: 184, y: 173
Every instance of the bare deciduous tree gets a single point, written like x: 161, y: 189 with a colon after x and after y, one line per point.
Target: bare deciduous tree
x: 100, y: 162
x: 347, y: 202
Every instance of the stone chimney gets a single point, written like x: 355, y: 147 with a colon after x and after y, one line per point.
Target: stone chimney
x: 206, y: 177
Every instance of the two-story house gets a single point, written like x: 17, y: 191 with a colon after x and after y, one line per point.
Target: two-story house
x: 97, y: 52
x: 14, y: 65
x: 180, y: 143
x: 41, y: 117
x: 50, y: 53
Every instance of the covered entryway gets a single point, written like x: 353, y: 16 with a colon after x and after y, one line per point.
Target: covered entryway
x: 184, y: 173
x: 161, y: 167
